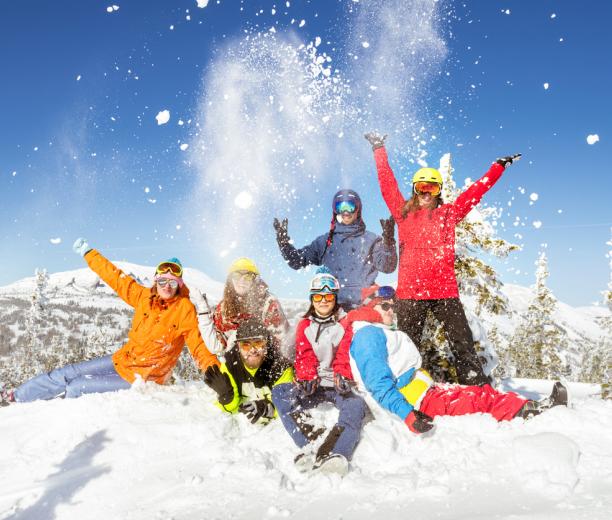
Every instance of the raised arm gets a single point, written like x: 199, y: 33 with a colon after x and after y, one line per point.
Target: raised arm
x: 128, y: 289
x: 297, y: 258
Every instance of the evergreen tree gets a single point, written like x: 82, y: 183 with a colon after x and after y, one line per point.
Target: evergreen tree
x: 538, y: 342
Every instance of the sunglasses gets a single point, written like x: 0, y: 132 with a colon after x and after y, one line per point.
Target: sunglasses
x: 317, y: 298
x: 385, y: 306
x: 345, y: 206
x: 170, y: 267
x: 162, y: 282
x: 256, y: 344
x: 244, y: 275
x: 427, y: 187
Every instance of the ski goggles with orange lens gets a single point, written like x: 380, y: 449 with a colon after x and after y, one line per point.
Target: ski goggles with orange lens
x: 257, y: 344
x: 345, y: 206
x: 317, y: 298
x: 170, y: 267
x: 162, y: 282
x: 427, y: 187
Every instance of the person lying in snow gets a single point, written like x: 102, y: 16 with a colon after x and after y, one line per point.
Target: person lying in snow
x: 245, y: 296
x: 164, y: 321
x: 387, y: 365
x: 353, y: 255
x: 253, y: 368
x: 322, y: 376
x: 426, y: 278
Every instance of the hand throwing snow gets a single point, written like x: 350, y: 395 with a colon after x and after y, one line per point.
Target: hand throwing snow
x: 375, y: 139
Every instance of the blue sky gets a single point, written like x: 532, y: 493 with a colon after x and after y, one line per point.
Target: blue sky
x: 82, y: 154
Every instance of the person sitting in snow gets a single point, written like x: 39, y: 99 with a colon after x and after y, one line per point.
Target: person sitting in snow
x: 245, y: 296
x: 164, y: 321
x: 253, y: 368
x: 322, y: 376
x: 387, y: 365
x: 353, y: 255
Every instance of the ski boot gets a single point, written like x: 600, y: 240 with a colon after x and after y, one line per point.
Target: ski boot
x: 558, y: 397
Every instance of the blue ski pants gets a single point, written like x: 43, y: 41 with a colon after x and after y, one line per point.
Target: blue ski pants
x: 89, y: 377
x: 352, y: 411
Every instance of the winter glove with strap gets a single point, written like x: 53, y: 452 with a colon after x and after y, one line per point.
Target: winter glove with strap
x: 418, y: 422
x: 81, y: 247
x: 509, y: 159
x: 343, y: 385
x: 258, y: 409
x: 376, y: 140
x: 307, y: 388
x: 388, y: 227
x: 220, y: 383
x: 282, y: 235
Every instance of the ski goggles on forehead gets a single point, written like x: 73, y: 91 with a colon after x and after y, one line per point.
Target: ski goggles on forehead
x: 169, y: 267
x: 321, y: 284
x: 427, y: 187
x: 345, y: 206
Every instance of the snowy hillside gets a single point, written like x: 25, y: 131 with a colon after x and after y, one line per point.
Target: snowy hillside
x: 168, y: 453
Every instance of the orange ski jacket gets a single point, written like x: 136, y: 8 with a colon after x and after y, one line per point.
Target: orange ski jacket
x: 160, y: 328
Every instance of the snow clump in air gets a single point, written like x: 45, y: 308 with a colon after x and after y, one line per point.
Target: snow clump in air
x: 163, y: 117
x: 202, y: 3
x: 112, y: 8
x: 592, y: 138
x: 546, y: 85
x: 244, y: 200
x: 55, y: 241
x: 537, y: 224
x: 184, y: 146
x: 533, y: 197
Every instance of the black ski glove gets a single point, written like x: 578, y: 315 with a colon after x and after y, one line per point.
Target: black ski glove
x: 282, y: 236
x: 509, y: 159
x: 388, y: 227
x: 307, y: 388
x: 255, y: 410
x: 220, y: 383
x: 419, y: 422
x: 343, y: 385
x: 375, y: 139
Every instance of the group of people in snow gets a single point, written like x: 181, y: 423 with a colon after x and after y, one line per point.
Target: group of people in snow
x: 357, y: 347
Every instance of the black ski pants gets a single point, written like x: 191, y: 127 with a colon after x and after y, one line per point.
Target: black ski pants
x: 411, y: 316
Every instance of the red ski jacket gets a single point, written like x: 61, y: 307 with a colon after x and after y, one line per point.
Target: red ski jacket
x: 427, y: 238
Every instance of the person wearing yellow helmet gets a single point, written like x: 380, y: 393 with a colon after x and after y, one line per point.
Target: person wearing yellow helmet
x: 245, y: 296
x: 426, y: 277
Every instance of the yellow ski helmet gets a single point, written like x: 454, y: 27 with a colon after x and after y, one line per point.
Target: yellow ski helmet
x: 243, y: 264
x: 427, y: 175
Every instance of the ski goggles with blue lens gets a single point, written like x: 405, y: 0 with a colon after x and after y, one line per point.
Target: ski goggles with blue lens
x: 345, y: 206
x: 385, y: 292
x: 324, y: 284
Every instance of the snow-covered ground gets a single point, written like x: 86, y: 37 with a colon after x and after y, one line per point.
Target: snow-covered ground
x: 168, y: 453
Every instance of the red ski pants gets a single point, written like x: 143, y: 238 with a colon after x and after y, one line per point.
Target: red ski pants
x: 461, y: 400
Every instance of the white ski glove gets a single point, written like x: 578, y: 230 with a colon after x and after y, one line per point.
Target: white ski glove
x: 81, y: 247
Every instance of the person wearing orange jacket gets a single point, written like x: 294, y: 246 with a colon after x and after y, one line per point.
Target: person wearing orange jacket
x: 164, y: 321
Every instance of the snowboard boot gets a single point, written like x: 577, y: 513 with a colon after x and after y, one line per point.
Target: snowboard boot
x: 304, y: 461
x: 332, y: 464
x: 558, y: 397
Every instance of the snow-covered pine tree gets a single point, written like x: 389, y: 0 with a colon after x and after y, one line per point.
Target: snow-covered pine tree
x: 537, y: 347
x: 475, y: 235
